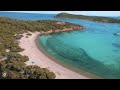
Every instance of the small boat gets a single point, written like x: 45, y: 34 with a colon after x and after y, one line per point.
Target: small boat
x: 118, y: 33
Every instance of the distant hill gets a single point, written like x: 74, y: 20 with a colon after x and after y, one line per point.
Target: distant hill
x: 90, y: 18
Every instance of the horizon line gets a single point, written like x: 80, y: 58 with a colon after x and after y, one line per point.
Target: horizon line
x: 57, y: 12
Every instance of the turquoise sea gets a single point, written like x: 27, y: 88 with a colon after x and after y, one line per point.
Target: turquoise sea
x: 95, y: 49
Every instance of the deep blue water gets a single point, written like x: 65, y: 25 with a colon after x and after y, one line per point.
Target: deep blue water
x: 26, y: 16
x: 95, y: 49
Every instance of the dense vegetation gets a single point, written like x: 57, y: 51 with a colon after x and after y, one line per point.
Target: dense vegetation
x: 90, y: 18
x: 11, y: 61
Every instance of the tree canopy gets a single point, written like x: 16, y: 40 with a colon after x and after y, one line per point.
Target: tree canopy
x: 11, y: 61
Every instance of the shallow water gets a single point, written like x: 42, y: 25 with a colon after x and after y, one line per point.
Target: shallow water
x: 94, y: 49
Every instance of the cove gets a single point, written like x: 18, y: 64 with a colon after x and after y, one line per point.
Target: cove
x: 94, y: 49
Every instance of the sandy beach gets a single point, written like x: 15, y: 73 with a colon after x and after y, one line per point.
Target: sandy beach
x: 39, y: 59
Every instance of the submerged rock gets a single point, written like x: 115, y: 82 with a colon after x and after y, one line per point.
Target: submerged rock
x: 118, y: 33
x: 116, y: 45
x: 81, y: 59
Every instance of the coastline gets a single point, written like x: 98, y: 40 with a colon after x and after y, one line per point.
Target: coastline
x: 88, y: 20
x: 63, y: 30
x: 76, y: 70
x: 37, y: 55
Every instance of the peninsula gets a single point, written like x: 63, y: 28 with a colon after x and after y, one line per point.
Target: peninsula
x: 90, y: 18
x: 19, y: 55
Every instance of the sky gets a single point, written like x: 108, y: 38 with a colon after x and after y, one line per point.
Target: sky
x: 89, y: 13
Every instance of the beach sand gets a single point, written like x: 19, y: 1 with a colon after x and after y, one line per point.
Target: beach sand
x: 36, y: 57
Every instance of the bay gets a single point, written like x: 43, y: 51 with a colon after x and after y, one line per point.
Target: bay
x: 95, y: 49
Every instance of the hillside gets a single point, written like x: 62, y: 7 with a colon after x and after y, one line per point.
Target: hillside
x: 90, y: 18
x: 11, y: 61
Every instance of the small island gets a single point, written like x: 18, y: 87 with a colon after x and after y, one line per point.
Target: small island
x: 90, y: 18
x: 17, y: 39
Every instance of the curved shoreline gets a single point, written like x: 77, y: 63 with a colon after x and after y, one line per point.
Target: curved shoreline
x: 76, y: 70
x: 39, y: 58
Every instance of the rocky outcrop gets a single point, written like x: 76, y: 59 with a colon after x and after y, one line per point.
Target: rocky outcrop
x: 117, y: 33
x: 63, y: 30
